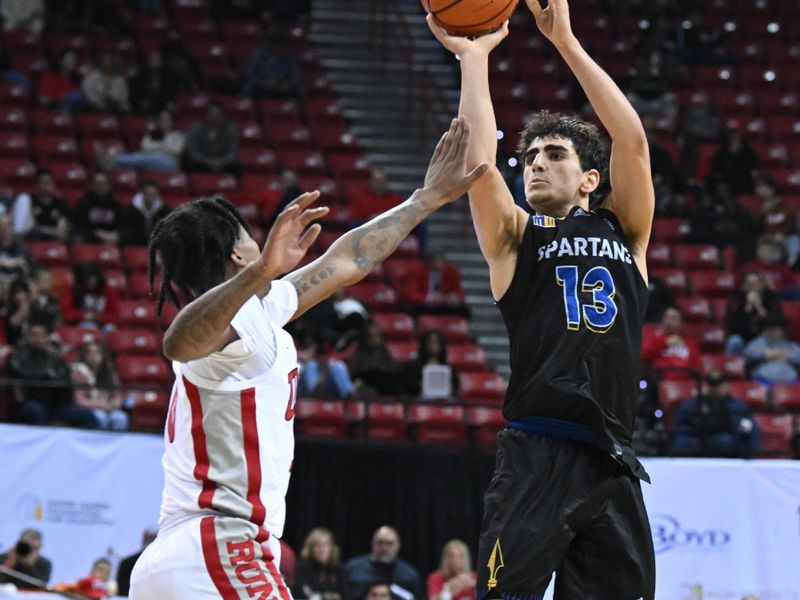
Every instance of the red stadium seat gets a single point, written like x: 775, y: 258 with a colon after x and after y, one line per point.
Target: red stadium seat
x: 13, y: 119
x: 237, y: 108
x: 711, y: 338
x: 402, y: 351
x: 77, y: 336
x: 135, y: 258
x: 374, y: 296
x: 673, y: 393
x: 106, y: 255
x: 487, y: 422
x: 49, y: 253
x: 69, y: 175
x: 145, y: 370
x: 347, y: 164
x: 395, y: 326
x: 695, y: 309
x: 258, y: 160
x: 289, y: 135
x: 140, y: 284
x: 777, y: 432
x: 134, y: 341
x: 696, y: 256
x: 279, y: 110
x: 116, y: 280
x: 321, y: 418
x: 14, y: 94
x: 731, y: 364
x: 302, y: 161
x: 408, y: 248
x: 13, y: 144
x: 659, y: 255
x: 334, y: 138
x: 712, y: 283
x: 168, y: 182
x: 149, y: 410
x: 438, y: 424
x: 208, y: 184
x: 18, y: 173
x: 50, y: 121
x: 482, y: 388
x: 54, y: 147
x: 786, y: 397
x: 251, y: 135
x: 396, y: 269
x: 666, y: 229
x: 751, y: 392
x: 675, y: 279
x: 98, y: 126
x: 466, y: 357
x: 386, y: 421
x: 138, y: 313
x: 454, y: 329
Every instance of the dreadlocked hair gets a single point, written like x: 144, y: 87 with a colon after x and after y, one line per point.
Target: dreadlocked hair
x: 194, y: 243
x: 584, y: 136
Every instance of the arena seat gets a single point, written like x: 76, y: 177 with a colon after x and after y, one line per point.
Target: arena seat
x: 374, y: 296
x: 482, y: 388
x: 786, y: 397
x: 49, y: 254
x: 777, y: 432
x: 138, y: 313
x: 712, y: 283
x: 731, y: 364
x: 98, y: 126
x: 753, y: 393
x: 13, y: 144
x: 73, y: 335
x: 673, y: 393
x: 670, y: 229
x: 13, y: 119
x: 106, y: 255
x: 207, y: 184
x: 125, y: 340
x: 696, y: 256
x: 675, y: 280
x: 395, y: 326
x: 55, y: 122
x: 486, y: 423
x: 146, y: 370
x: 402, y: 351
x: 149, y: 410
x: 710, y: 338
x: 695, y: 309
x: 454, y: 329
x: 466, y: 357
x: 386, y: 421
x: 135, y: 258
x: 659, y: 255
x: 438, y: 423
x: 321, y: 418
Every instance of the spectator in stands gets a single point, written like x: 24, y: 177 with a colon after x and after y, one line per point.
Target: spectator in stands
x: 17, y: 309
x: 715, y: 423
x: 322, y: 375
x: 719, y: 220
x: 374, y: 200
x: 770, y: 261
x: 62, y: 86
x: 382, y: 564
x: 432, y: 350
x: 35, y: 359
x: 213, y: 143
x: 15, y: 259
x: 771, y: 357
x: 700, y: 42
x: 319, y: 572
x: 45, y: 307
x: 372, y: 367
x: 454, y: 579
x: 97, y: 217
x: 667, y: 351
x: 378, y: 590
x: 775, y: 219
x: 19, y: 15
x: 42, y: 215
x: 160, y: 149
x: 126, y: 564
x: 25, y: 556
x: 272, y: 71
x: 91, y: 302
x: 433, y: 287
x: 699, y: 122
x: 96, y: 370
x: 145, y: 210
x: 735, y: 163
x: 151, y: 88
x: 179, y: 67
x: 105, y: 86
x: 754, y: 303
x: 99, y: 583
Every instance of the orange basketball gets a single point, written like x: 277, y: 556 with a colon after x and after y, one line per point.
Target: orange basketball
x: 470, y: 17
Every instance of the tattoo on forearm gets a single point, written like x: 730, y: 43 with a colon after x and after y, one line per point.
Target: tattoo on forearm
x: 377, y: 239
x: 304, y: 284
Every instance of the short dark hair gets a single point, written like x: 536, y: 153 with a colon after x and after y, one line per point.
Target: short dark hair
x: 584, y: 136
x: 194, y: 242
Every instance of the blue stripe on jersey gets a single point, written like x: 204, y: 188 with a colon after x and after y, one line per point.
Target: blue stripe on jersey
x: 506, y: 596
x: 554, y: 428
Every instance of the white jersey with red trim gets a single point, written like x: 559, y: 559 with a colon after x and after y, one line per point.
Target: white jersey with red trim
x: 229, y: 435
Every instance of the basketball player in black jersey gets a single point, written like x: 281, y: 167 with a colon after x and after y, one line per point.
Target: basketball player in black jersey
x: 571, y: 285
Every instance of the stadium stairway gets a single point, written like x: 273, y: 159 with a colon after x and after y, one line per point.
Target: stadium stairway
x: 399, y: 92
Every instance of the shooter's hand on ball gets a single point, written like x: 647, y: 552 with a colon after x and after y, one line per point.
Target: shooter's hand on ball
x: 459, y: 45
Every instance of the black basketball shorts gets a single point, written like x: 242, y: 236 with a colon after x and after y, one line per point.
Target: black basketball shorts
x: 559, y: 506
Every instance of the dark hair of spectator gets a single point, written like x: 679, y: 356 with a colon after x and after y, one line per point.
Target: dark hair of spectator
x: 150, y: 183
x: 42, y: 172
x: 89, y: 278
x: 584, y: 136
x: 195, y: 243
x: 423, y: 354
x: 105, y: 374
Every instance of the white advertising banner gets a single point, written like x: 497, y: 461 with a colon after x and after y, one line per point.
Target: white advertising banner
x: 90, y: 493
x: 722, y: 528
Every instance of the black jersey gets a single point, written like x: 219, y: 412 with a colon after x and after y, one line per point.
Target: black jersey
x: 574, y: 314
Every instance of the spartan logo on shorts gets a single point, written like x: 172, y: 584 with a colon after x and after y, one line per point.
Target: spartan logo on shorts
x: 495, y: 564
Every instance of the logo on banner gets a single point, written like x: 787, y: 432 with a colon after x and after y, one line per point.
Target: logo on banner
x: 670, y: 535
x: 31, y: 508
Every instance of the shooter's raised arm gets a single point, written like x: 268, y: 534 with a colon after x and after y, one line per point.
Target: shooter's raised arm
x: 632, y: 197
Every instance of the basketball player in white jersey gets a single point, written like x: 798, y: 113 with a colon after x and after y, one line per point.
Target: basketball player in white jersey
x: 229, y: 439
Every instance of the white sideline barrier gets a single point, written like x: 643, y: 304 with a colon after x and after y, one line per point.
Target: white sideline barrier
x: 722, y: 528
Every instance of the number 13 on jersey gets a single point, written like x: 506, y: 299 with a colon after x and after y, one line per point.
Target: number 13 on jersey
x: 599, y: 314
